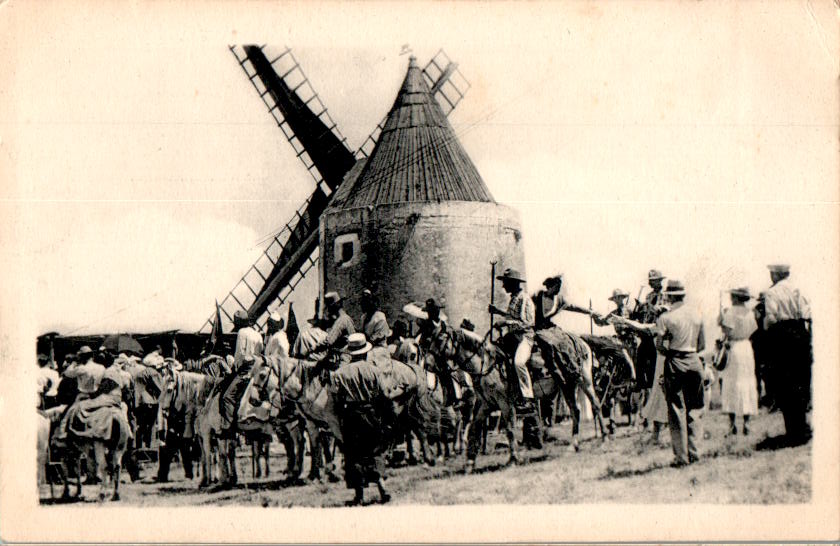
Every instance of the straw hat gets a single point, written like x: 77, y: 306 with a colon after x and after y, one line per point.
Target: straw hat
x: 655, y: 275
x: 357, y: 344
x: 618, y: 294
x: 511, y: 274
x: 85, y: 350
x: 742, y: 292
x: 675, y: 288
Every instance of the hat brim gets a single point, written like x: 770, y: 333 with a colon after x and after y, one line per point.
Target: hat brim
x: 621, y: 297
x: 675, y: 292
x: 361, y: 351
x: 503, y: 278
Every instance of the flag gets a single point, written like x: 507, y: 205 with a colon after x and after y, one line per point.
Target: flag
x: 292, y: 329
x: 216, y: 332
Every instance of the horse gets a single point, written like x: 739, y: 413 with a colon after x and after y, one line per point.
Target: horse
x: 300, y: 383
x: 188, y: 392
x: 108, y: 444
x: 209, y: 428
x: 615, y: 377
x: 568, y: 362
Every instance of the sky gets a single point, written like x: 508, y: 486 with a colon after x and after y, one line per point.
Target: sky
x: 696, y: 138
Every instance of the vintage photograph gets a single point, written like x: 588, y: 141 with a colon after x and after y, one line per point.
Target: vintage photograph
x: 429, y: 255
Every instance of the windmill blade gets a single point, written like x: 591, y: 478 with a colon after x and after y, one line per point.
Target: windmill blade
x: 316, y: 140
x: 448, y: 84
x: 299, y: 112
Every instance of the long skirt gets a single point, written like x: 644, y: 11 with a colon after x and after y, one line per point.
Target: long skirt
x: 739, y: 390
x: 365, y: 441
x: 656, y: 409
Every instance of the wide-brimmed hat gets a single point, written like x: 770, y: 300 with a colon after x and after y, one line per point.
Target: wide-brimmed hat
x: 331, y: 299
x: 742, y: 292
x: 357, y: 344
x: 511, y: 274
x: 779, y: 268
x: 655, y: 275
x: 275, y: 319
x: 618, y: 294
x: 240, y: 317
x: 418, y: 311
x: 675, y: 288
x: 85, y: 350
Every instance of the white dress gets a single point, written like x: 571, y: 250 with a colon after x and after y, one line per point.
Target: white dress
x: 656, y: 409
x: 739, y: 389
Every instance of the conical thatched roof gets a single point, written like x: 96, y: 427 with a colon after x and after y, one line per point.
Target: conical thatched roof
x: 417, y: 158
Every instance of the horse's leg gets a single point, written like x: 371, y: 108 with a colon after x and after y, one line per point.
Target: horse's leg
x: 475, y: 433
x: 589, y: 391
x: 509, y: 413
x: 206, y: 460
x: 265, y: 454
x: 101, y: 470
x: 315, y: 450
x: 116, y: 455
x: 571, y: 401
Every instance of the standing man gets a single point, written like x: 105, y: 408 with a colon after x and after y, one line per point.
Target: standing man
x: 680, y: 338
x: 519, y: 320
x: 361, y: 390
x: 787, y: 321
x: 374, y: 322
x: 249, y: 346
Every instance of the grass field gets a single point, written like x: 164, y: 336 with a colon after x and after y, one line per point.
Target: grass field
x: 625, y: 469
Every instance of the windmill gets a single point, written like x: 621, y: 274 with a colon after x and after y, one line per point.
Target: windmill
x: 293, y: 251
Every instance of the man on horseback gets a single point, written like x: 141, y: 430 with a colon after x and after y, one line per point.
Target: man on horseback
x: 519, y: 320
x: 340, y: 325
x: 276, y: 342
x: 374, y: 323
x: 249, y: 347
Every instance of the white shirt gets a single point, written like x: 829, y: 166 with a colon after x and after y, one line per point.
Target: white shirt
x: 782, y: 301
x: 249, y: 345
x: 277, y: 345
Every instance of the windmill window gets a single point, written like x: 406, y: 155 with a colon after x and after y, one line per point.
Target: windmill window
x: 346, y: 249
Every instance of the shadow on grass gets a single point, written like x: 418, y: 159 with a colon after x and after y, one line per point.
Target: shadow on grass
x: 729, y: 450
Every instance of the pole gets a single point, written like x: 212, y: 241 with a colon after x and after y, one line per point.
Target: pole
x: 492, y: 294
x: 591, y: 326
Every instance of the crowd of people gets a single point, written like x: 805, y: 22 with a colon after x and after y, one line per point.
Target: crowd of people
x: 664, y: 336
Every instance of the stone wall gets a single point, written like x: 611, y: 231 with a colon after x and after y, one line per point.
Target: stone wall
x: 409, y: 252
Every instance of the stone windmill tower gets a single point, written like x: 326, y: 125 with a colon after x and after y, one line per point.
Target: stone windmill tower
x: 416, y: 220
x: 406, y: 215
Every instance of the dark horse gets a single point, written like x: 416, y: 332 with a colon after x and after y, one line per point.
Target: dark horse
x: 568, y: 365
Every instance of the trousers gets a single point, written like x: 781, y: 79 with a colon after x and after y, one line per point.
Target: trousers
x: 229, y: 402
x: 684, y: 394
x: 791, y: 360
x: 520, y: 362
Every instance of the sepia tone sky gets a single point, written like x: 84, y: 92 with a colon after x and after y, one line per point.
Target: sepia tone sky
x: 144, y: 168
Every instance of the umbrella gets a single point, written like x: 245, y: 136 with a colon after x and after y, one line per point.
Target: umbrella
x: 123, y: 343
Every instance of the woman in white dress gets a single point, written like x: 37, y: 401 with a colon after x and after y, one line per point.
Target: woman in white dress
x: 739, y: 390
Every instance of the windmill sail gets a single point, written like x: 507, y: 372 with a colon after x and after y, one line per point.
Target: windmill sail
x: 296, y: 108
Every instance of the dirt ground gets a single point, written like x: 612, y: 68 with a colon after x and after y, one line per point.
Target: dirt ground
x: 626, y: 469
